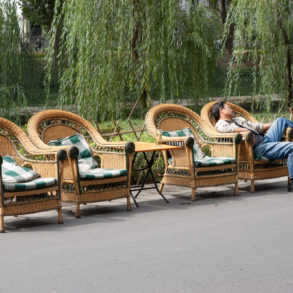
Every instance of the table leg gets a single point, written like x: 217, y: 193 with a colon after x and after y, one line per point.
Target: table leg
x: 149, y: 164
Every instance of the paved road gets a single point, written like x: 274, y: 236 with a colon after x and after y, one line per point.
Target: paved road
x: 220, y: 243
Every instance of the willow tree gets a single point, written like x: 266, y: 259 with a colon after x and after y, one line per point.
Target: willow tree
x: 263, y: 40
x: 112, y: 52
x: 12, y: 60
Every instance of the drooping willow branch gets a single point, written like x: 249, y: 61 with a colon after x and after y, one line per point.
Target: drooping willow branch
x: 112, y: 52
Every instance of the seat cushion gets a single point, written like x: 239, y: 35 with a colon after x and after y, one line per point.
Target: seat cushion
x: 100, y: 173
x: 214, y: 161
x: 13, y: 173
x: 34, y: 184
x: 197, y: 152
x: 85, y: 159
x: 260, y: 158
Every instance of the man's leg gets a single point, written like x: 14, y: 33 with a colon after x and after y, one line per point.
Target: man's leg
x: 278, y: 150
x: 277, y: 129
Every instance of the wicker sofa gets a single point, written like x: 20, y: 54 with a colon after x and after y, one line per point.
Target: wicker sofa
x: 56, y: 124
x: 20, y: 196
x: 250, y: 168
x: 181, y: 167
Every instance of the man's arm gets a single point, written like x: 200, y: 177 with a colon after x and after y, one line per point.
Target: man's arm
x: 239, y: 129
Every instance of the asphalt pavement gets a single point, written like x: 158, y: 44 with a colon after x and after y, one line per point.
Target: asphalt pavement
x: 219, y: 243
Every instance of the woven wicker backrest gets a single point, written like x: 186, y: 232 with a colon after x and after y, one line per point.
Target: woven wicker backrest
x: 171, y: 117
x: 170, y: 124
x: 7, y: 148
x: 55, y: 132
x: 206, y: 113
x: 15, y: 142
x: 55, y: 124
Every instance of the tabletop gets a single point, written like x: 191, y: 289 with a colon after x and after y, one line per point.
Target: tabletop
x: 141, y: 146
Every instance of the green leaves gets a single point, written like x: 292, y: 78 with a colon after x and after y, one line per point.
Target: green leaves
x: 112, y: 52
x: 13, y: 60
x: 39, y: 12
x: 259, y: 42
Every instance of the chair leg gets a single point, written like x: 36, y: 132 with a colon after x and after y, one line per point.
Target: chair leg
x: 77, y: 210
x: 161, y: 187
x: 252, y: 188
x: 2, y: 230
x: 60, y: 219
x: 129, y: 208
x: 193, y: 193
x: 236, y: 191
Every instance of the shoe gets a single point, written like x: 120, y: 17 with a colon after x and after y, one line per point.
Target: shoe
x: 290, y: 185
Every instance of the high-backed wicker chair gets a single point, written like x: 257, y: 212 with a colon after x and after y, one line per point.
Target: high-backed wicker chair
x: 250, y: 168
x: 56, y: 124
x: 182, y: 169
x: 21, y: 198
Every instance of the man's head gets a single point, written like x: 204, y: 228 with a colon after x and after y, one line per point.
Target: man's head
x: 221, y: 110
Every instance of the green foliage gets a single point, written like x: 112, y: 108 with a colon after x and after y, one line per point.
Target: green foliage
x: 260, y: 43
x: 13, y: 60
x: 21, y: 72
x: 39, y: 12
x: 112, y: 52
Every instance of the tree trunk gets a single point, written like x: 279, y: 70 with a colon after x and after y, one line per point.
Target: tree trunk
x: 137, y: 36
x: 134, y: 40
x: 223, y: 7
x: 288, y: 64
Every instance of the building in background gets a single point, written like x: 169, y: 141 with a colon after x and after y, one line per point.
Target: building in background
x: 31, y: 34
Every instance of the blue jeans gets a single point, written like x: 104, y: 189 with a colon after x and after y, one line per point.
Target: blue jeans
x: 272, y: 147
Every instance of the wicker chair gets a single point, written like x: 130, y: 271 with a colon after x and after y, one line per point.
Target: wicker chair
x: 181, y: 168
x: 56, y: 124
x: 21, y: 199
x: 250, y: 168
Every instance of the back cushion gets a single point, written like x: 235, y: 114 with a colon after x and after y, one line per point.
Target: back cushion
x: 13, y: 173
x: 85, y: 159
x: 197, y: 152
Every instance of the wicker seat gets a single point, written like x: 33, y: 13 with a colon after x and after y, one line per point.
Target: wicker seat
x: 250, y: 168
x: 56, y: 124
x: 31, y: 194
x: 181, y: 168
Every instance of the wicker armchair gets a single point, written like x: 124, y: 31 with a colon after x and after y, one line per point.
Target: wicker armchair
x: 181, y: 169
x: 249, y: 167
x: 37, y: 195
x: 56, y: 124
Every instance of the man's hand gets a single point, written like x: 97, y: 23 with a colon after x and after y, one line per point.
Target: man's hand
x: 266, y: 126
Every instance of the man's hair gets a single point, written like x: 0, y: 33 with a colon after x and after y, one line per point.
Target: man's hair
x: 216, y: 109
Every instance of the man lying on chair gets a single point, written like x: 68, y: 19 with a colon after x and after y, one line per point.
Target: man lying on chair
x: 266, y: 144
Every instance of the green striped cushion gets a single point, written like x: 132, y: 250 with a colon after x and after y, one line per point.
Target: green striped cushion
x: 197, y: 152
x: 88, y: 168
x: 85, y: 159
x: 13, y: 173
x: 34, y: 184
x: 260, y: 158
x: 214, y: 161
x: 100, y: 173
x: 200, y: 159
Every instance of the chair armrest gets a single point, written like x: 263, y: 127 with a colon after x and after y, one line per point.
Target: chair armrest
x: 115, y: 156
x: 215, y: 136
x: 115, y: 147
x: 224, y: 145
x: 187, y: 141
x: 46, y: 164
x: 1, y: 162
